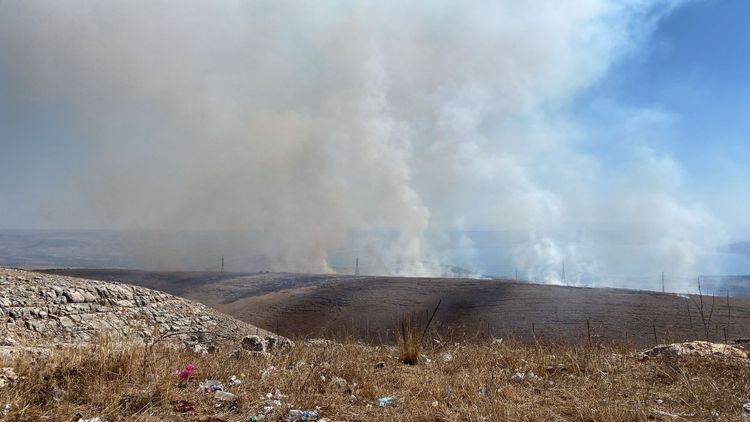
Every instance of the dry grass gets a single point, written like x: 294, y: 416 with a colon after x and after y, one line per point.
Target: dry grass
x: 110, y: 380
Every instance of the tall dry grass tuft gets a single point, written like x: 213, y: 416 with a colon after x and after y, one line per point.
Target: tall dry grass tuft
x: 411, y: 334
x: 409, y: 341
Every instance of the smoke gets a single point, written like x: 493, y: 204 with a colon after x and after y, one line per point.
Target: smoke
x: 298, y: 123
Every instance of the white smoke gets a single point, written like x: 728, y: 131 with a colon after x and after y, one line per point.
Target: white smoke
x: 299, y: 122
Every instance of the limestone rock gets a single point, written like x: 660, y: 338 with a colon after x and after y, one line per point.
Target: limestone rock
x: 696, y: 348
x: 69, y: 310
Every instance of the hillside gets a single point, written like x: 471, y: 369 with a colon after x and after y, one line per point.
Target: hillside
x: 48, y: 309
x: 367, y: 308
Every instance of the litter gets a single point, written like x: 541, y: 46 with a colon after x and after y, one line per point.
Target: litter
x: 339, y: 382
x: 233, y: 380
x: 58, y: 394
x: 518, y: 376
x: 96, y: 419
x: 384, y: 401
x: 183, y: 406
x: 446, y: 356
x: 268, y: 371
x: 185, y: 373
x: 746, y: 407
x: 225, y: 396
x: 276, y: 395
x: 302, y: 415
x: 210, y: 386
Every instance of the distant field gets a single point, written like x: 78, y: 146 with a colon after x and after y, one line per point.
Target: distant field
x: 367, y: 308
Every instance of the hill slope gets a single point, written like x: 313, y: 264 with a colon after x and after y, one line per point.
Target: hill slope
x: 43, y: 308
x: 367, y: 307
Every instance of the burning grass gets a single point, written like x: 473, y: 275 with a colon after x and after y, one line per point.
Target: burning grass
x: 454, y: 381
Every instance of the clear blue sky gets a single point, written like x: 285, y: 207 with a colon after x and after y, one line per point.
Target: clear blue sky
x: 694, y: 78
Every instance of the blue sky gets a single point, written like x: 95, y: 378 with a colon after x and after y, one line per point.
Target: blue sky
x: 693, y: 79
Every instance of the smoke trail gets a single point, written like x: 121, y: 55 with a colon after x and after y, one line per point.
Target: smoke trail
x: 298, y: 122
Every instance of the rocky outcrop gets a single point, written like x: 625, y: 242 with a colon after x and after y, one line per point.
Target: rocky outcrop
x: 42, y: 308
x: 696, y: 348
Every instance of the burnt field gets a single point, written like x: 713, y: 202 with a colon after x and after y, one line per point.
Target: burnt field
x: 368, y: 308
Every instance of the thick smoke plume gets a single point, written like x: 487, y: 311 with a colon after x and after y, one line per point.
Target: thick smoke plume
x: 299, y: 123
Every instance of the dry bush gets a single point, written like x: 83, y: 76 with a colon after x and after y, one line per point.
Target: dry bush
x: 409, y: 341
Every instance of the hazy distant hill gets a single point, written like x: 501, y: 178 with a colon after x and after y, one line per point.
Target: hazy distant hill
x: 742, y: 248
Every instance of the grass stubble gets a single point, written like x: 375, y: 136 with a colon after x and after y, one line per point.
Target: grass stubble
x: 446, y: 381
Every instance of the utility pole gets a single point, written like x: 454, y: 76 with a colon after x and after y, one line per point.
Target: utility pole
x: 222, y: 265
x: 356, y: 266
x: 563, y: 272
x: 662, y: 281
x: 516, y: 274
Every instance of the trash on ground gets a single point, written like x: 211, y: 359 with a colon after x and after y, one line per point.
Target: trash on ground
x: 268, y: 371
x: 225, y: 396
x: 58, y: 394
x: 183, y: 406
x: 210, y: 386
x: 384, y: 401
x: 446, y: 356
x: 302, y: 415
x: 746, y: 407
x: 94, y: 419
x: 380, y: 365
x: 518, y: 376
x: 185, y: 373
x: 276, y: 395
x: 664, y: 414
x: 340, y: 382
x: 233, y: 380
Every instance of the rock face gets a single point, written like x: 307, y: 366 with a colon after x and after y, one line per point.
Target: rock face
x: 42, y: 308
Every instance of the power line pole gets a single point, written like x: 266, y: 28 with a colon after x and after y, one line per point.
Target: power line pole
x: 662, y: 281
x: 222, y: 265
x: 356, y: 266
x: 563, y: 272
x: 516, y: 274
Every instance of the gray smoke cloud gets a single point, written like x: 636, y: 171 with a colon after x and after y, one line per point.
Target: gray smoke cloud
x: 298, y: 122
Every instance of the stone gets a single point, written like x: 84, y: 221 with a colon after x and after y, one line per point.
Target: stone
x: 696, y: 348
x: 7, y: 377
x: 253, y: 343
x: 12, y: 352
x: 74, y: 297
